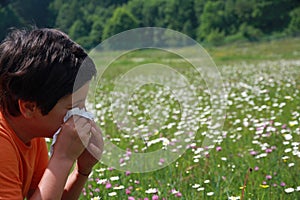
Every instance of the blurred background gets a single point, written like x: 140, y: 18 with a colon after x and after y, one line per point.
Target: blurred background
x: 211, y: 22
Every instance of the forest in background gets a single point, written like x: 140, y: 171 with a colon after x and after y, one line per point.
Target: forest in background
x: 214, y: 22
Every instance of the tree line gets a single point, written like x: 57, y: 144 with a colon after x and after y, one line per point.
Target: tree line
x: 209, y: 21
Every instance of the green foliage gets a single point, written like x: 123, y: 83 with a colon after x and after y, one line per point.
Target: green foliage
x: 34, y: 12
x: 238, y: 37
x: 271, y: 16
x: 121, y: 20
x: 78, y: 30
x: 216, y: 37
x: 149, y: 13
x: 10, y: 16
x: 180, y: 16
x: 212, y: 19
x: 294, y: 25
x: 198, y: 10
x: 249, y: 32
x: 96, y: 32
x: 90, y: 22
x: 67, y: 15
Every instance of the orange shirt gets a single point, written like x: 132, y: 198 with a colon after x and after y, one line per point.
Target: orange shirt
x: 21, y: 166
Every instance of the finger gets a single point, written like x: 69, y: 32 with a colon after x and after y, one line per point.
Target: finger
x: 81, y: 122
x: 96, y: 127
x: 95, y: 146
x: 84, y: 134
x: 84, y: 129
x: 95, y: 151
x: 96, y: 134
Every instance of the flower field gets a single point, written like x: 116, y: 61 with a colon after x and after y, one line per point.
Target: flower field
x: 254, y: 156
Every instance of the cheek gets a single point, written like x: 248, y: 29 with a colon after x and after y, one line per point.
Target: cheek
x: 57, y: 117
x: 62, y: 115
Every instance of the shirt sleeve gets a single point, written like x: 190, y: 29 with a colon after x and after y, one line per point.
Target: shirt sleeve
x: 10, y: 183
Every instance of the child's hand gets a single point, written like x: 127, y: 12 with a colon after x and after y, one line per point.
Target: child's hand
x: 74, y: 136
x: 92, y: 154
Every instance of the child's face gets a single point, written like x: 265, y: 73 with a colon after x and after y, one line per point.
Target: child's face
x: 50, y: 123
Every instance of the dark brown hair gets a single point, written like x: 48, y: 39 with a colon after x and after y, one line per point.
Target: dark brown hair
x: 42, y: 66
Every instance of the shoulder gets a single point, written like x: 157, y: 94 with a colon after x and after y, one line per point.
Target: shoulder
x: 9, y: 157
x: 5, y: 130
x: 10, y: 180
x: 8, y: 150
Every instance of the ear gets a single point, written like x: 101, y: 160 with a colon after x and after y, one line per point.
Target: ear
x: 27, y: 108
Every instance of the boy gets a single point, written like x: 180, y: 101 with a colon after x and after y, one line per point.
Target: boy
x: 43, y: 74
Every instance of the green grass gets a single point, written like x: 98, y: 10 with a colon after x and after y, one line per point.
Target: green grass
x: 288, y: 48
x: 262, y: 82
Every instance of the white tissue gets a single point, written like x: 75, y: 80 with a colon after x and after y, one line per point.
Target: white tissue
x: 75, y: 111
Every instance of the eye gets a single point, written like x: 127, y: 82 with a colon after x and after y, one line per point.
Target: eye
x: 69, y: 107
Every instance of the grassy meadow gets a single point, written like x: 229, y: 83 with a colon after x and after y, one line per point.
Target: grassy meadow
x: 256, y: 154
